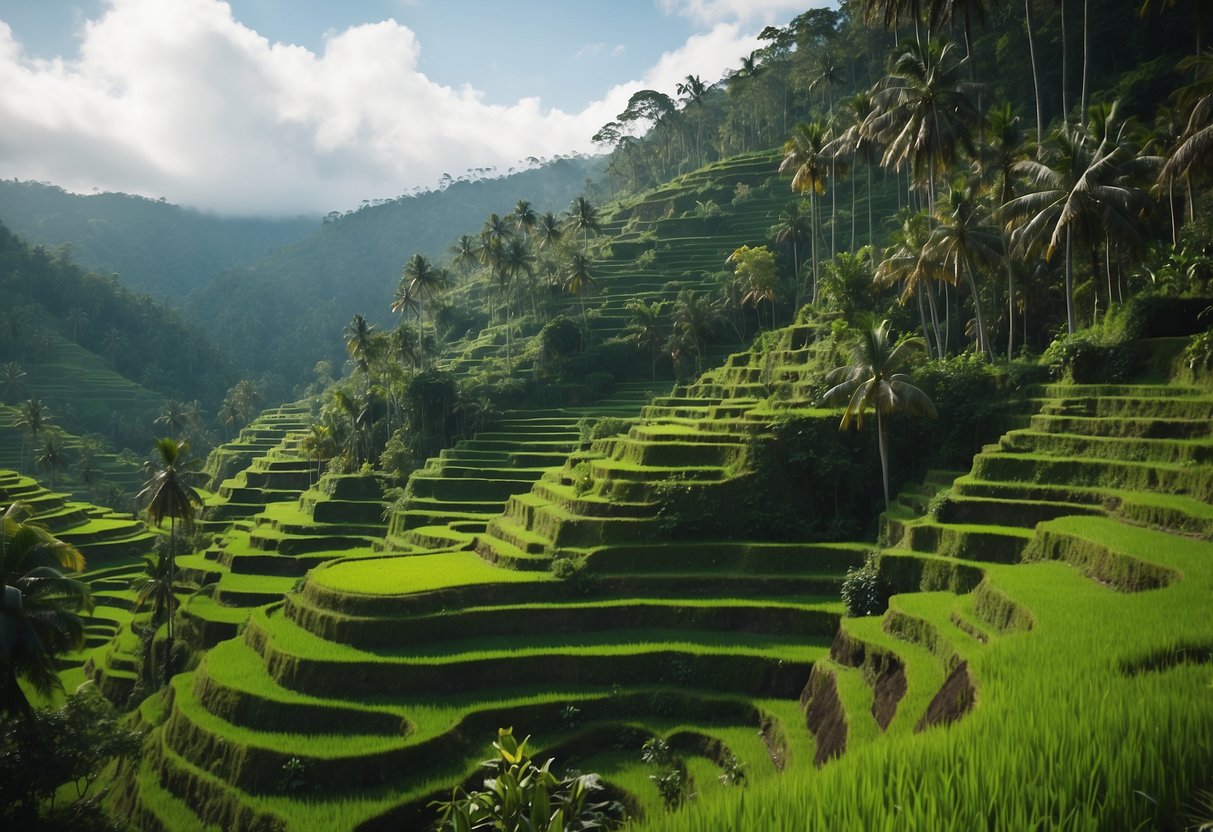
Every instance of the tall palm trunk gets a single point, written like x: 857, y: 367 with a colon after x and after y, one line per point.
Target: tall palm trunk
x: 172, y: 580
x: 1086, y: 58
x: 1071, y: 324
x: 884, y: 455
x: 1010, y: 310
x: 1065, y: 68
x: 983, y: 345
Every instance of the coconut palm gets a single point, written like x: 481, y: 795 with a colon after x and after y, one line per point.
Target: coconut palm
x: 166, y: 494
x: 154, y: 591
x: 695, y: 318
x: 873, y: 380
x: 359, y: 342
x: 903, y: 263
x: 1005, y: 148
x: 964, y: 235
x: 805, y: 157
x: 51, y: 457
x: 583, y: 217
x: 923, y: 113
x: 518, y: 262
x: 12, y: 380
x: 794, y: 226
x: 548, y: 231
x: 525, y: 218
x: 1192, y: 154
x: 32, y: 418
x: 420, y: 282
x: 646, y: 327
x: 578, y: 280
x: 463, y: 254
x: 76, y: 319
x: 1082, y: 190
x: 39, y: 607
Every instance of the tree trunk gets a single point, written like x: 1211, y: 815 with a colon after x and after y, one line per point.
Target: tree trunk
x: 1086, y: 58
x: 883, y: 442
x: 982, y: 344
x: 1010, y: 310
x: 1065, y: 62
x: 172, y: 580
x: 1071, y: 324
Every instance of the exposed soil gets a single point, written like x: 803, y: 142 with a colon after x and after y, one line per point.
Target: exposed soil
x: 890, y: 687
x: 954, y: 700
x: 824, y: 716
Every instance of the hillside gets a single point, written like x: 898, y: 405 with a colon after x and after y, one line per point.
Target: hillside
x: 285, y: 312
x: 160, y: 249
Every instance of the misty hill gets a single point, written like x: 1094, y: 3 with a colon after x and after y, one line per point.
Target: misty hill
x: 286, y: 311
x: 156, y: 247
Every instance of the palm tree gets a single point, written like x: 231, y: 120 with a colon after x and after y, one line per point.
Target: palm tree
x: 964, y: 234
x: 12, y: 379
x: 359, y: 342
x: 39, y: 607
x: 1192, y: 154
x: 154, y: 590
x: 1082, y: 191
x: 873, y: 379
x: 175, y: 416
x: 51, y: 457
x: 518, y: 262
x: 904, y: 263
x: 695, y: 318
x: 87, y: 469
x: 804, y: 156
x: 583, y: 217
x: 548, y: 232
x: 923, y: 114
x: 112, y: 341
x: 794, y: 226
x: 463, y: 254
x: 579, y: 279
x: 76, y: 318
x: 420, y: 282
x: 525, y: 218
x: 319, y: 444
x: 168, y: 495
x: 645, y: 327
x: 33, y: 418
x: 854, y: 145
x: 693, y: 90
x: 1005, y: 149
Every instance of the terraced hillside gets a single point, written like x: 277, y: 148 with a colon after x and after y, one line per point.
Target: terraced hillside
x: 393, y: 669
x: 112, y: 544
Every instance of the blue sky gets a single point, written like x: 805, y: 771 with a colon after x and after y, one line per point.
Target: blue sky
x: 281, y: 106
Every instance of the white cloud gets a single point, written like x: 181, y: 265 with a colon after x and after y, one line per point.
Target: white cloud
x: 175, y: 98
x: 710, y: 12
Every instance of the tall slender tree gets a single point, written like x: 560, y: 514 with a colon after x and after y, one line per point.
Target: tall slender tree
x: 167, y: 494
x: 874, y: 380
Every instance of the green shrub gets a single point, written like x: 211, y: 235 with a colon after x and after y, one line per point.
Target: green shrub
x: 939, y: 504
x: 1197, y: 356
x: 646, y: 259
x: 1090, y: 356
x: 602, y: 427
x: 864, y: 592
x: 519, y: 796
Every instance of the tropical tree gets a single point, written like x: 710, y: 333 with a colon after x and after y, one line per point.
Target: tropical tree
x: 1082, y: 190
x: 39, y: 608
x: 873, y: 380
x: 33, y: 418
x: 578, y: 280
x: 12, y: 380
x: 754, y: 269
x: 423, y: 283
x: 794, y: 226
x: 464, y: 254
x: 167, y: 494
x: 51, y: 457
x: 518, y: 262
x: 964, y: 235
x: 583, y: 217
x: 695, y: 317
x: 1192, y: 155
x: 645, y: 327
x: 112, y: 341
x: 154, y: 591
x: 525, y: 218
x: 319, y: 444
x: 548, y: 231
x: 923, y: 113
x: 76, y: 319
x: 805, y: 157
x: 360, y: 343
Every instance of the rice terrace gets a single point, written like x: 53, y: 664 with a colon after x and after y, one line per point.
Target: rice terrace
x: 816, y: 434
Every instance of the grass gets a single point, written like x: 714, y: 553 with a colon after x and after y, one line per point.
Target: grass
x: 423, y: 573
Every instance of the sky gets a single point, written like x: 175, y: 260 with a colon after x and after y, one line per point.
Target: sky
x: 287, y: 107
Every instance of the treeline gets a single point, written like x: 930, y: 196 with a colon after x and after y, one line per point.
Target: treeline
x: 816, y: 66
x: 136, y: 336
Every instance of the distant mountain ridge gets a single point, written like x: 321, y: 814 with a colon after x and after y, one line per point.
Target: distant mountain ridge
x: 156, y: 247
